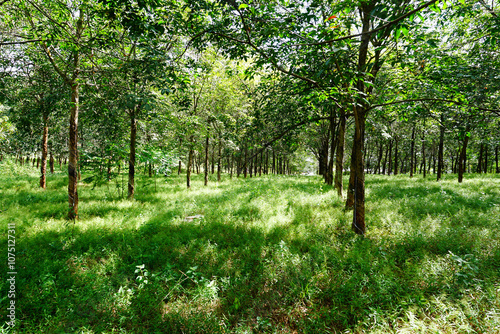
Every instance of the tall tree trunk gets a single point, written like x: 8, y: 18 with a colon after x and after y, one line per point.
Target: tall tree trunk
x: 260, y: 162
x: 480, y: 159
x: 51, y: 163
x: 45, y: 139
x: 440, y: 162
x: 180, y: 168
x: 131, y: 160
x: 333, y: 146
x: 463, y: 157
x: 245, y: 163
x: 73, y: 153
x: 412, y: 151
x: 189, y: 163
x: 389, y: 167
x: 206, y: 157
x: 339, y: 161
x: 496, y: 160
x: 219, y: 161
x: 358, y: 223
x: 485, y: 169
x: 396, y: 156
x: 379, y: 158
x: 423, y: 153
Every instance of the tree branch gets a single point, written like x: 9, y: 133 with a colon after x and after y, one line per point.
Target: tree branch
x: 388, y: 24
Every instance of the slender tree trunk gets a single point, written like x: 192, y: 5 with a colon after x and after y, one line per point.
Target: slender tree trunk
x: 396, y: 156
x: 485, y: 159
x: 358, y: 223
x: 131, y: 161
x: 463, y: 157
x: 480, y: 159
x: 380, y: 156
x: 73, y: 153
x: 274, y: 163
x: 389, y: 167
x: 333, y: 145
x: 339, y: 161
x: 188, y: 168
x: 219, y: 161
x: 245, y: 163
x: 180, y: 168
x: 496, y: 160
x: 45, y: 140
x: 440, y: 161
x: 260, y: 163
x: 51, y: 163
x: 423, y: 153
x: 412, y: 151
x: 206, y: 158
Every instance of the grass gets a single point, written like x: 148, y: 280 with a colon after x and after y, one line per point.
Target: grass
x: 271, y: 255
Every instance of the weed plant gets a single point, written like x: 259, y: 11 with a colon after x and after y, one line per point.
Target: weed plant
x: 271, y: 254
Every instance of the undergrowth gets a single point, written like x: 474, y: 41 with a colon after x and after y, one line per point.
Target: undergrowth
x: 270, y: 254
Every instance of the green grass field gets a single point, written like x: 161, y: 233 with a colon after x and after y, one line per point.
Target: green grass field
x: 271, y: 255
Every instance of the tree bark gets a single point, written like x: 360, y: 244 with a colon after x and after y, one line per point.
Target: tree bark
x: 412, y: 151
x: 189, y: 164
x: 219, y: 161
x: 73, y: 153
x: 333, y: 146
x: 207, y: 141
x: 463, y: 157
x: 131, y: 161
x: 480, y: 159
x: 395, y: 156
x: 423, y: 153
x: 339, y: 162
x: 496, y: 160
x: 485, y: 169
x: 440, y: 162
x: 51, y: 163
x: 45, y: 137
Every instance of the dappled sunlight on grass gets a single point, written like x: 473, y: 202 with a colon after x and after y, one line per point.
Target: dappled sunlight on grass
x: 269, y: 255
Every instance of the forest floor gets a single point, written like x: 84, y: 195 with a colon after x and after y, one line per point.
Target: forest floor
x: 271, y: 254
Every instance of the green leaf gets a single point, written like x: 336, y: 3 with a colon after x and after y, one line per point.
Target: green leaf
x: 243, y: 5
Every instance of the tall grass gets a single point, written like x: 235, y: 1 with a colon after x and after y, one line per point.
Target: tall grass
x: 270, y: 255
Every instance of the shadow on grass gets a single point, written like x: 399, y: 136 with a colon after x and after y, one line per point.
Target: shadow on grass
x: 217, y: 274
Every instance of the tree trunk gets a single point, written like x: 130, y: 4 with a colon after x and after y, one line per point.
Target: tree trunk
x: 412, y: 151
x: 440, y: 159
x: 423, y: 153
x: 339, y: 161
x: 180, y: 168
x: 207, y: 141
x: 496, y: 160
x: 358, y: 223
x: 189, y: 164
x: 45, y: 139
x: 395, y: 156
x: 245, y: 163
x: 73, y: 153
x: 480, y: 159
x: 333, y: 146
x: 485, y: 169
x: 219, y: 161
x: 389, y: 167
x: 379, y: 159
x: 463, y: 157
x: 51, y: 163
x: 131, y: 161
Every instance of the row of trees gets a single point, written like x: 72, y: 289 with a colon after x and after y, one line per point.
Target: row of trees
x: 250, y: 87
